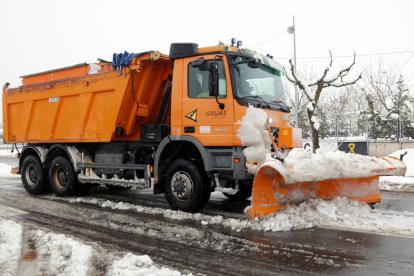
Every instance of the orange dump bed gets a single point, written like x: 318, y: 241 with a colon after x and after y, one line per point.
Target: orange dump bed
x: 101, y: 107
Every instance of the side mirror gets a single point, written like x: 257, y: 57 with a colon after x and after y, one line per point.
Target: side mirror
x: 213, y: 83
x: 254, y: 63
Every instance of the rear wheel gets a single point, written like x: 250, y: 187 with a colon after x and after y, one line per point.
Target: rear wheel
x: 186, y: 189
x: 32, y: 175
x: 62, y: 177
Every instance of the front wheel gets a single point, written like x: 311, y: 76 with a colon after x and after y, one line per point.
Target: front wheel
x: 62, y: 177
x: 185, y: 188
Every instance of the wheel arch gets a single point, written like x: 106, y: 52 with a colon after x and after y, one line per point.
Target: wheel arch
x: 174, y: 147
x: 38, y: 151
x: 69, y: 152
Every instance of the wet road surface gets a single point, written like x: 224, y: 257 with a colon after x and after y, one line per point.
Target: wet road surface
x: 188, y: 246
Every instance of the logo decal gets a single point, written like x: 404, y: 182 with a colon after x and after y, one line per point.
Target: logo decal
x: 192, y: 115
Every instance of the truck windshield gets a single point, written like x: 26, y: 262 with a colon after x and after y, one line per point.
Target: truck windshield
x: 258, y: 86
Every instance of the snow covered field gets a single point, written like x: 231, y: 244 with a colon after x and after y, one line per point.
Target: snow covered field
x: 48, y: 253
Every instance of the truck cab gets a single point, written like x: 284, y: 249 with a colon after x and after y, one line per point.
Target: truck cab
x: 211, y: 90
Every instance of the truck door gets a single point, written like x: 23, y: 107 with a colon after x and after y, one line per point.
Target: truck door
x: 202, y: 117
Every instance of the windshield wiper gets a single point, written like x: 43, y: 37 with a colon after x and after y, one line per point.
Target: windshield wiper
x: 284, y: 107
x: 256, y: 97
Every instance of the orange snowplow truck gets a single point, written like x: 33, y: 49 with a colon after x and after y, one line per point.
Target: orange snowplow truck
x: 146, y: 120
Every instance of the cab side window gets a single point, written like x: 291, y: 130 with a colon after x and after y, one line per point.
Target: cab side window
x: 198, y: 82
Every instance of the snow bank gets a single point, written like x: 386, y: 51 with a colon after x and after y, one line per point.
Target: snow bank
x: 5, y: 171
x: 67, y: 256
x: 57, y: 254
x: 341, y: 213
x: 396, y: 183
x: 234, y: 224
x: 134, y: 265
x: 10, y: 246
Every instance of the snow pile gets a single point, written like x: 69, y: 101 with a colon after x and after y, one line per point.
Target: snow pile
x: 57, y: 254
x: 132, y: 264
x: 10, y: 246
x: 301, y: 165
x: 94, y: 68
x: 254, y: 136
x: 5, y: 171
x: 67, y: 256
x: 234, y: 224
x: 397, y: 183
x: 340, y: 213
x: 408, y: 160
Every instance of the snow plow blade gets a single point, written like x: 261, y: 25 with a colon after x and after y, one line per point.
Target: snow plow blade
x: 271, y: 191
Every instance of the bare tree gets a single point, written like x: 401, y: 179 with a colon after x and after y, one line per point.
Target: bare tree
x: 313, y: 91
x: 337, y: 105
x: 391, y: 100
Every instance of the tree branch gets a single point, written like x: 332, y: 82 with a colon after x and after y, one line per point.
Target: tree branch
x: 324, y: 72
x: 342, y: 84
x: 297, y: 82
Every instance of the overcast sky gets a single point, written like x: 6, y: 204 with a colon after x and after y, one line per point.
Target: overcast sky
x: 41, y: 35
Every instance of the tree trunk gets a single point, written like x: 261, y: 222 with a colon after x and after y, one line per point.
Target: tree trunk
x: 314, y: 132
x: 315, y: 139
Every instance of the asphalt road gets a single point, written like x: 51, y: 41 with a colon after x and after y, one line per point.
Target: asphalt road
x: 214, y: 250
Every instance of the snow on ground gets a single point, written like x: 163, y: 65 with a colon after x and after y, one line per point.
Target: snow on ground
x: 10, y: 246
x: 339, y: 213
x: 67, y: 256
x: 7, y: 152
x: 132, y: 265
x: 57, y: 254
x: 397, y: 183
x: 400, y: 183
x: 5, y: 170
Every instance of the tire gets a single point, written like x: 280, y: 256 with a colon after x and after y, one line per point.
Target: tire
x: 245, y: 191
x: 186, y: 188
x: 32, y: 175
x: 62, y: 177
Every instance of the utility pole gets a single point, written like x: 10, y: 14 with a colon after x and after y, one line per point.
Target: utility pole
x: 292, y: 30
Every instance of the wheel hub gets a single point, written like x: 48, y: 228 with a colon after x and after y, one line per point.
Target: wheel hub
x: 32, y: 176
x: 181, y: 185
x: 60, y: 177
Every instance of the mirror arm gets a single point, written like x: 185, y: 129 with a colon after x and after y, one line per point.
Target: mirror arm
x: 221, y: 105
